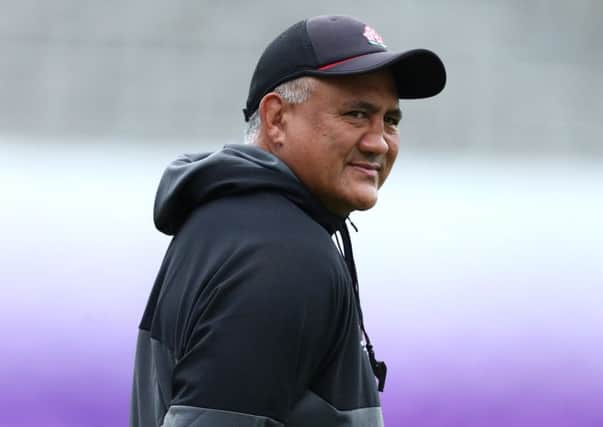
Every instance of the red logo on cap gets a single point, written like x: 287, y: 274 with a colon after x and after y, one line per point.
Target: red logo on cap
x: 373, y: 36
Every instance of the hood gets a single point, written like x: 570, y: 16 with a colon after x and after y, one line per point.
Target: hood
x: 194, y: 179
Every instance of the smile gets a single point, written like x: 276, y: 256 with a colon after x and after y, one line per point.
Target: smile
x: 367, y: 168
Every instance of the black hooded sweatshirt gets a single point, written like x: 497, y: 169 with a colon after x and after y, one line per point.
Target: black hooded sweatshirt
x: 253, y: 319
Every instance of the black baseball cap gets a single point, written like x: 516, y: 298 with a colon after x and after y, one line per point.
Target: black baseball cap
x: 337, y: 46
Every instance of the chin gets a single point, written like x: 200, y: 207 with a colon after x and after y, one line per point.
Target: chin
x: 364, y: 207
x: 364, y: 203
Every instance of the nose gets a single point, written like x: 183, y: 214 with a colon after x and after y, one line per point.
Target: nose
x: 373, y: 141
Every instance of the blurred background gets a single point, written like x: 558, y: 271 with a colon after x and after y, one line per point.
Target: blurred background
x: 480, y: 268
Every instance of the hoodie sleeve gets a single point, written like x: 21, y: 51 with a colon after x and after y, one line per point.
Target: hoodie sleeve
x: 262, y: 330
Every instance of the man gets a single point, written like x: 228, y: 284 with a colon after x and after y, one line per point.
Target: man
x: 254, y: 318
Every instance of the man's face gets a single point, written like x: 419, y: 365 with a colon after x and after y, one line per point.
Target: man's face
x: 343, y: 141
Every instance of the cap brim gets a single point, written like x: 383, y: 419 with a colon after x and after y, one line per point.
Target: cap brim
x: 418, y: 73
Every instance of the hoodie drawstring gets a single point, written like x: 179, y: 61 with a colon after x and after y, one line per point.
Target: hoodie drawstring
x: 379, y: 367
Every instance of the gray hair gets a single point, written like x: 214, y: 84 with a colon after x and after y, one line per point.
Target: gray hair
x: 294, y: 92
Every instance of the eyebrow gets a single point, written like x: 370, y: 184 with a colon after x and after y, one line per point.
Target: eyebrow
x: 372, y: 108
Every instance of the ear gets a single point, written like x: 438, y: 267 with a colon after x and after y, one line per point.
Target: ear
x: 271, y: 110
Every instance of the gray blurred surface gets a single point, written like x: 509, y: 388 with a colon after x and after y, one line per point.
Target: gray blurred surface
x: 524, y: 77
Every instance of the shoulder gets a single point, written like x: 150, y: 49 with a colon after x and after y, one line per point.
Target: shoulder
x: 265, y: 243
x: 263, y: 221
x: 256, y: 257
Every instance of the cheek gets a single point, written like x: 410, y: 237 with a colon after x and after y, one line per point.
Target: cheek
x: 332, y: 151
x: 393, y: 143
x: 390, y: 159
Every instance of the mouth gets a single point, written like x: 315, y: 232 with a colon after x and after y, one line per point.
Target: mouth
x: 367, y: 168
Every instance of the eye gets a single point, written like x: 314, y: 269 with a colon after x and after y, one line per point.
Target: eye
x: 392, y: 121
x: 357, y: 114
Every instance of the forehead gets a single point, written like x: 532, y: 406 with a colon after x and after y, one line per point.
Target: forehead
x: 377, y: 86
